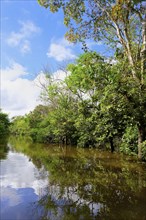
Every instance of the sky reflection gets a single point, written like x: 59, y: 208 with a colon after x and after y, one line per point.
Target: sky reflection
x: 21, y: 186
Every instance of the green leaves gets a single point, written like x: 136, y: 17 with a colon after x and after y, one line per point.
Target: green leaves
x: 98, y: 104
x: 43, y: 3
x: 4, y: 124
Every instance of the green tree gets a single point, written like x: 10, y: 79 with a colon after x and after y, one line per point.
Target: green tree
x: 63, y: 110
x: 95, y: 104
x: 83, y: 82
x: 20, y: 125
x: 101, y: 108
x: 119, y: 23
x: 115, y: 21
x: 4, y: 124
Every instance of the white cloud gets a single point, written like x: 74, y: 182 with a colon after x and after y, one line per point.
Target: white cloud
x: 60, y: 75
x: 21, y: 38
x: 111, y: 61
x: 11, y: 73
x: 18, y: 94
x: 61, y: 50
x: 91, y: 44
x: 15, y: 39
x: 28, y: 27
x: 25, y: 47
x: 57, y: 76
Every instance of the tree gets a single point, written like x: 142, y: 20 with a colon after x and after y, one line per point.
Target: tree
x: 115, y: 21
x: 86, y: 83
x: 39, y: 124
x: 101, y: 108
x: 135, y: 99
x: 20, y: 126
x: 121, y: 24
x: 4, y: 124
x: 62, y: 106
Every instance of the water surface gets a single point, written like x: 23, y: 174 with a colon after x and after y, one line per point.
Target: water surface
x: 40, y: 182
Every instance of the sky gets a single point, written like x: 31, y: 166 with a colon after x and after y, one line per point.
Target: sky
x: 32, y: 39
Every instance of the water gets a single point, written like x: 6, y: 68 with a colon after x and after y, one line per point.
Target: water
x: 40, y: 182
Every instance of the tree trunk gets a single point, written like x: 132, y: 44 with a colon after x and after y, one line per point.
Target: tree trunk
x: 143, y: 51
x: 141, y: 128
x: 111, y: 144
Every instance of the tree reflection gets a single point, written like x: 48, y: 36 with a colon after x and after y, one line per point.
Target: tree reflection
x: 85, y: 184
x: 3, y: 147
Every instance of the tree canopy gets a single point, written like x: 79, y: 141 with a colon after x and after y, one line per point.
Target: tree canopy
x: 122, y: 25
x: 97, y: 104
x: 119, y: 23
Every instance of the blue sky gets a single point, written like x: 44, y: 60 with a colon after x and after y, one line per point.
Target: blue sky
x: 31, y: 39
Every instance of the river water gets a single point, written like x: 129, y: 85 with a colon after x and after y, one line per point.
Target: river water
x: 47, y: 182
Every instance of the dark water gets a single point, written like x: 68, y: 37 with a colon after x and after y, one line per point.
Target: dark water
x: 41, y: 182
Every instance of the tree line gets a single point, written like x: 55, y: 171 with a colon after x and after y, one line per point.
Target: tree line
x: 98, y: 104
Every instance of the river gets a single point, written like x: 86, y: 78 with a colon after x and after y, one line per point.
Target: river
x: 48, y: 182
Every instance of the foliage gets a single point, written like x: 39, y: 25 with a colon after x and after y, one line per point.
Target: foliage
x: 38, y: 123
x: 122, y: 25
x: 116, y: 22
x: 97, y: 104
x: 4, y: 124
x: 129, y: 141
x: 102, y: 110
x: 20, y: 126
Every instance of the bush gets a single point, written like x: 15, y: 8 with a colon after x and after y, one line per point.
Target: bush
x: 129, y: 143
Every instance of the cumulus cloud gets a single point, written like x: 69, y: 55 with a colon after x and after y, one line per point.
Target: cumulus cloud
x: 18, y: 94
x: 13, y: 72
x: 21, y: 38
x: 61, y: 50
x: 57, y: 76
x: 60, y: 75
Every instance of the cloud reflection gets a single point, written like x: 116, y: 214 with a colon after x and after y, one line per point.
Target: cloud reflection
x: 18, y: 172
x: 21, y: 185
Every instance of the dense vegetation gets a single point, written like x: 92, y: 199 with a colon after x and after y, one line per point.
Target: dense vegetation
x: 4, y: 124
x: 98, y: 102
x: 4, y: 131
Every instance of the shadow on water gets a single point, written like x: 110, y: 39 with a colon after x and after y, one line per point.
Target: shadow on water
x: 85, y: 183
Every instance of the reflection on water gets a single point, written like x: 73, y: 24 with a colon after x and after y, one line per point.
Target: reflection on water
x: 3, y: 147
x: 21, y: 185
x: 40, y: 182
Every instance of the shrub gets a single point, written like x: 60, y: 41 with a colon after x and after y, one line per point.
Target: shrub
x: 129, y: 143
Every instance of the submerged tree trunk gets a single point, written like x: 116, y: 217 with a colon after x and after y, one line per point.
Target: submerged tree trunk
x: 139, y: 144
x: 64, y: 140
x: 141, y: 138
x: 112, y: 144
